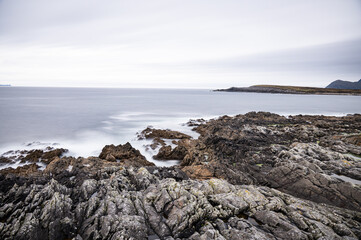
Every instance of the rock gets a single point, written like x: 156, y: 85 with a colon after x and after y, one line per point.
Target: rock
x: 150, y: 133
x: 23, y: 171
x: 4, y: 160
x: 198, y: 172
x: 48, y: 156
x: 106, y: 206
x: 296, y: 154
x: 167, y: 153
x: 252, y: 176
x: 35, y: 155
x: 124, y: 153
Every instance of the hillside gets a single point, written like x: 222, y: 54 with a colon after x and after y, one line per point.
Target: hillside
x: 340, y: 84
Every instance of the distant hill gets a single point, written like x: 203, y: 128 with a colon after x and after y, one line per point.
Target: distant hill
x: 340, y: 84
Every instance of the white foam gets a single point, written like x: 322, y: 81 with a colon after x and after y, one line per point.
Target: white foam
x: 169, y: 142
x: 127, y: 116
x: 41, y: 165
x: 14, y: 165
x: 90, y: 142
x: 119, y: 129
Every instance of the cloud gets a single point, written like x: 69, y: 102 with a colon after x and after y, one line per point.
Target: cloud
x: 176, y: 43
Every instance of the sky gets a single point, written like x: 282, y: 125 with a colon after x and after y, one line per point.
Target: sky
x: 179, y: 44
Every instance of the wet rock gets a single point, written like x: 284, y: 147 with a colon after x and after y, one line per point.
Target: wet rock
x: 150, y: 133
x: 125, y: 154
x: 48, y: 156
x: 35, y: 155
x: 167, y: 153
x: 23, y: 171
x: 195, y: 122
x: 4, y: 160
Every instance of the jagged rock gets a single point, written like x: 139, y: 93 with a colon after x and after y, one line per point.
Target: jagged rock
x: 124, y: 153
x: 167, y: 153
x: 297, y: 154
x: 44, y: 156
x: 245, y: 177
x: 107, y: 206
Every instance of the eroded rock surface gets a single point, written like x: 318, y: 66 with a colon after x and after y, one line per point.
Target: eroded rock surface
x: 133, y: 203
x: 298, y: 155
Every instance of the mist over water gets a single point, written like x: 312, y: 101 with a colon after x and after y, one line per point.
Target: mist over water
x: 84, y: 120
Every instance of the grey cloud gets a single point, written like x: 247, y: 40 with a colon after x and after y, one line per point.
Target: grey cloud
x: 202, y: 41
x: 331, y: 57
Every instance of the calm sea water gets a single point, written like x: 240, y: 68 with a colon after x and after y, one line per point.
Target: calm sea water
x: 85, y: 119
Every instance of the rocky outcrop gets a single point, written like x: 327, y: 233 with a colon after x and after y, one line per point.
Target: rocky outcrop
x: 299, y: 155
x: 133, y: 203
x: 36, y: 155
x: 23, y: 171
x: 252, y: 176
x: 125, y: 154
x: 150, y: 133
x: 166, y: 151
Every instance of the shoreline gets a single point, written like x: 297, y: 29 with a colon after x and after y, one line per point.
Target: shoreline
x: 247, y: 172
x: 277, y: 89
x: 181, y: 126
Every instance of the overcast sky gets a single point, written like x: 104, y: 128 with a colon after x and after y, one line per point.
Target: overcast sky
x: 182, y: 44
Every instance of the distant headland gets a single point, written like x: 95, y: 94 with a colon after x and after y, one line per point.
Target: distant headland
x: 337, y: 87
x: 5, y: 85
x: 340, y: 84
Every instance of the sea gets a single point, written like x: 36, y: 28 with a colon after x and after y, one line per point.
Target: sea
x: 84, y: 120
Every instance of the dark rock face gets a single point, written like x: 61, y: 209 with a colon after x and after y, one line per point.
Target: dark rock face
x: 340, y: 84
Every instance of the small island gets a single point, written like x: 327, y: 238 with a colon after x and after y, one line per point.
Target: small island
x: 332, y: 89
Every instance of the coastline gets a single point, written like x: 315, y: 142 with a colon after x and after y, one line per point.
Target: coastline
x: 277, y: 89
x: 248, y: 171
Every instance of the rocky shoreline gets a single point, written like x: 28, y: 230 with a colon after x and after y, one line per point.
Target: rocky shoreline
x: 252, y: 176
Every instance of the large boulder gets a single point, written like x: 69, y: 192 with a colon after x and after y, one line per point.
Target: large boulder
x: 125, y: 154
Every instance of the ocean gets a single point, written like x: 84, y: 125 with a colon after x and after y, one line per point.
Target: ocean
x: 84, y: 120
